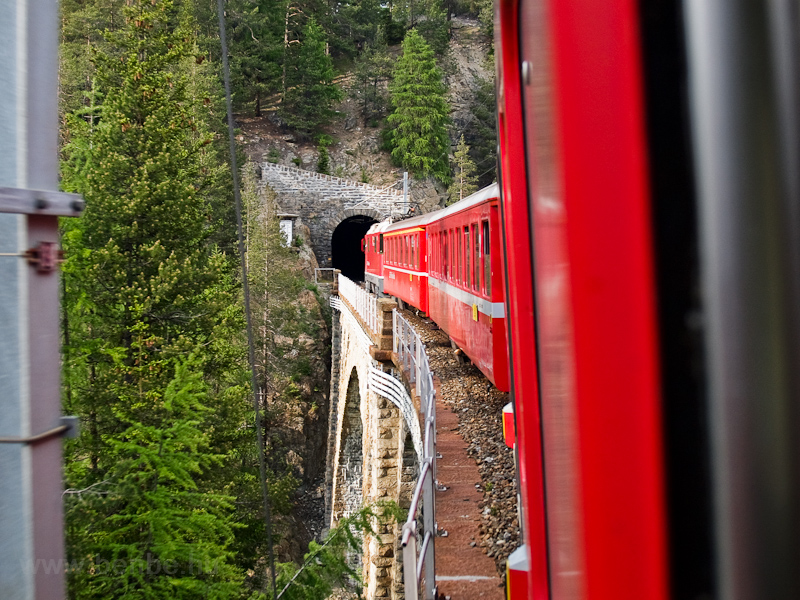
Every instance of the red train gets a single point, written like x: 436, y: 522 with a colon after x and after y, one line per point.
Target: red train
x: 649, y: 230
x: 651, y: 212
x: 449, y: 264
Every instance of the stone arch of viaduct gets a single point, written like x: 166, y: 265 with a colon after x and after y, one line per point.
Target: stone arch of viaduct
x: 371, y: 454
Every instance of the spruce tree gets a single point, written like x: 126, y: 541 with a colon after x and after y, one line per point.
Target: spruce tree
x: 420, y: 116
x: 310, y: 91
x: 482, y: 133
x: 371, y: 70
x: 464, y: 180
x: 256, y: 50
x: 144, y: 289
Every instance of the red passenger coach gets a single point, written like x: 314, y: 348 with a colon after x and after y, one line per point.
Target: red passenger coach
x: 466, y: 282
x: 405, y: 261
x: 575, y: 167
x: 373, y: 257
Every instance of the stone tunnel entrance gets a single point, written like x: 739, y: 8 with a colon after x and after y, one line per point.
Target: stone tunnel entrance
x: 346, y: 254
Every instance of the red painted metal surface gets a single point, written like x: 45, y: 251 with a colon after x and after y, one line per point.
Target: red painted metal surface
x: 373, y: 252
x: 405, y: 264
x: 466, y: 285
x: 595, y: 303
x: 520, y: 305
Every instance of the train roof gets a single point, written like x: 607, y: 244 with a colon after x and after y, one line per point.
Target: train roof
x: 379, y: 227
x: 490, y: 191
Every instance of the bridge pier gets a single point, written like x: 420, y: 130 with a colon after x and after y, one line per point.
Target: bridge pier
x: 384, y: 450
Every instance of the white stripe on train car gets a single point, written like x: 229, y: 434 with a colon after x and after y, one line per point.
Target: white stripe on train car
x: 398, y: 269
x: 495, y: 310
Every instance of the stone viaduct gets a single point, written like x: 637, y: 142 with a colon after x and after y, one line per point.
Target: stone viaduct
x: 374, y: 440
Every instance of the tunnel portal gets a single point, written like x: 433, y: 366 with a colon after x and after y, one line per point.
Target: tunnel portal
x: 346, y: 254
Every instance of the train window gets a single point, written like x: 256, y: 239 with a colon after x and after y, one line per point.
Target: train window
x: 445, y: 262
x: 452, y: 255
x: 380, y: 243
x: 414, y: 251
x: 487, y: 266
x: 457, y: 250
x: 438, y: 250
x: 467, y: 251
x: 476, y: 253
x: 434, y: 250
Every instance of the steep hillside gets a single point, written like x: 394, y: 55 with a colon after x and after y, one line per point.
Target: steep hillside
x: 356, y: 153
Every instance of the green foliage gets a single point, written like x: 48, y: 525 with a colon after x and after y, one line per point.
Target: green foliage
x: 159, y: 537
x: 255, y: 36
x: 420, y: 116
x: 310, y: 91
x: 394, y: 30
x: 435, y: 27
x: 481, y: 135
x: 145, y: 288
x: 486, y: 16
x: 355, y: 25
x: 324, y: 160
x: 371, y: 70
x: 326, y: 565
x: 464, y: 180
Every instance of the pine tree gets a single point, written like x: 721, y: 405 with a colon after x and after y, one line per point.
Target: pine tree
x: 159, y: 537
x: 464, y: 180
x: 310, y: 91
x: 256, y: 50
x: 144, y: 289
x: 435, y: 26
x: 420, y: 117
x: 371, y: 71
x: 482, y: 133
x: 324, y: 160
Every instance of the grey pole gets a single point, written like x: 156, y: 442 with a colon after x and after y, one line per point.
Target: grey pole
x: 31, y: 523
x: 405, y: 192
x: 743, y: 82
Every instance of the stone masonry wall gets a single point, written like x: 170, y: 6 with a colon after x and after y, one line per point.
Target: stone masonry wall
x: 385, y: 453
x: 323, y: 202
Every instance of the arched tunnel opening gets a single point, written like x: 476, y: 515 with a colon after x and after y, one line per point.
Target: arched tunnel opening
x: 346, y: 254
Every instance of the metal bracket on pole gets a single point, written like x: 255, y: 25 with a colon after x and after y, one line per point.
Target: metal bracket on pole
x: 40, y: 202
x: 70, y: 427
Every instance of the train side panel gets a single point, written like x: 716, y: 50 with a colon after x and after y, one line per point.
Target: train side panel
x: 586, y: 154
x: 405, y: 266
x: 528, y: 575
x: 466, y: 286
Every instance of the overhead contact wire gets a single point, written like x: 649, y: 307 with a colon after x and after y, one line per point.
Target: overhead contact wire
x: 248, y: 315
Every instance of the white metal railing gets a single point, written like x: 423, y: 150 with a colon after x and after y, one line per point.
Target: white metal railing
x: 355, y: 328
x: 388, y: 386
x: 410, y: 352
x: 364, y: 303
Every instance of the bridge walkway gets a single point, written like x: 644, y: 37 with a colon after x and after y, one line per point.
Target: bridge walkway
x: 462, y: 569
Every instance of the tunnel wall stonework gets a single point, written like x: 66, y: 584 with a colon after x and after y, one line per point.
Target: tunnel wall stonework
x: 388, y: 467
x: 322, y: 202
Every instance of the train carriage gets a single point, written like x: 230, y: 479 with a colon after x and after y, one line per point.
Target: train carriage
x: 373, y: 257
x: 465, y: 284
x: 405, y: 261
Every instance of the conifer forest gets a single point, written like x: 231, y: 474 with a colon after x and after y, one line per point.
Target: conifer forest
x: 164, y: 497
